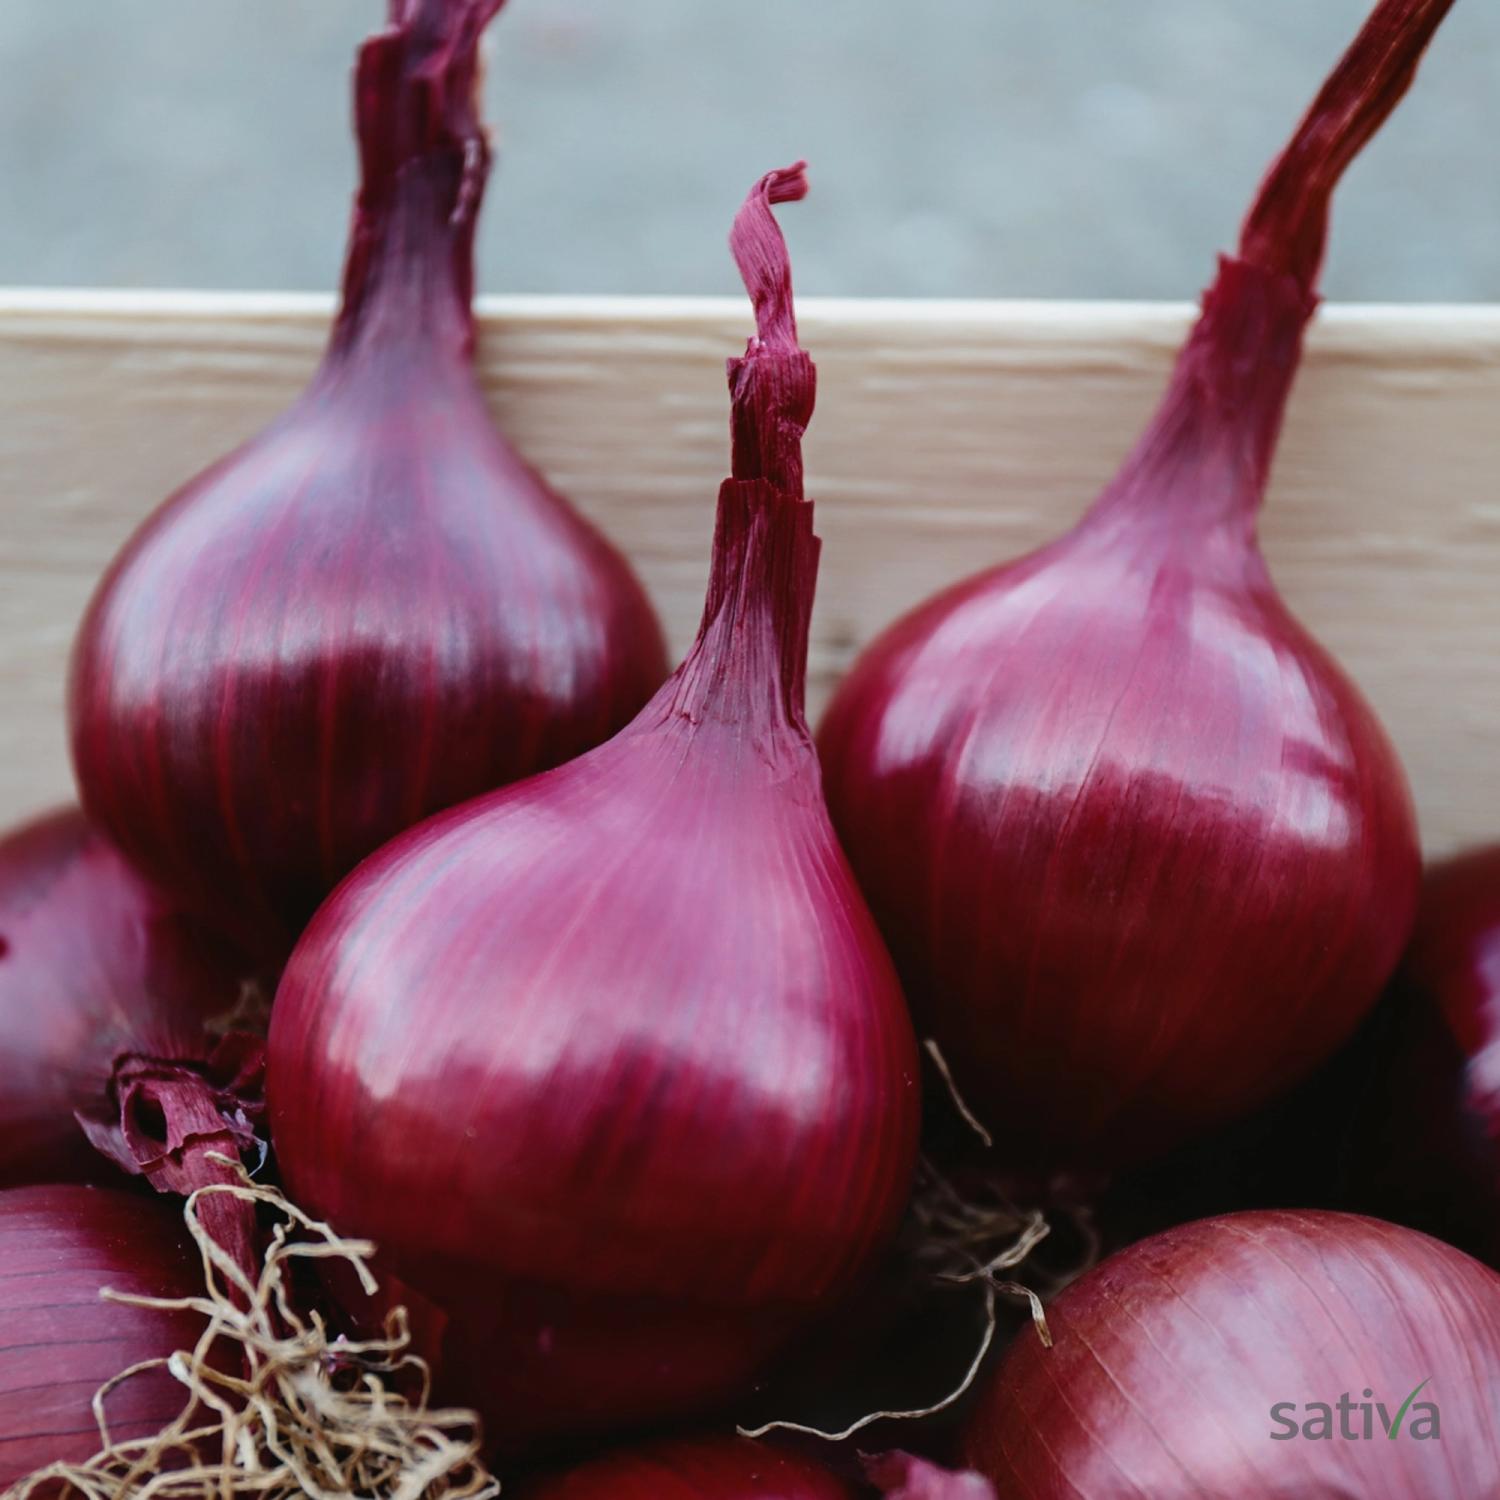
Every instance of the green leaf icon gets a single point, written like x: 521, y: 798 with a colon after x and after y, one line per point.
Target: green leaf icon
x: 1402, y: 1409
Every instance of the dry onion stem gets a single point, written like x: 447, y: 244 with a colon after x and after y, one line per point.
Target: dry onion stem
x: 304, y: 1413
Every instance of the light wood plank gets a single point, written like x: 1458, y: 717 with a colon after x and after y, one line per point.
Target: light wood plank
x: 947, y: 435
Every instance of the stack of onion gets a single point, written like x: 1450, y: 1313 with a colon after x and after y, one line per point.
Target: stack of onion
x: 117, y: 1047
x: 1142, y: 852
x: 59, y: 1342
x: 613, y: 1065
x: 375, y: 608
x: 1315, y: 1355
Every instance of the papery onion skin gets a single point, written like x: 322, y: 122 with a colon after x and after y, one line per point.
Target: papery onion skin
x: 59, y: 1342
x: 117, y: 1040
x: 695, y: 1469
x: 1168, y: 1358
x: 613, y: 1065
x: 1142, y: 851
x: 375, y: 608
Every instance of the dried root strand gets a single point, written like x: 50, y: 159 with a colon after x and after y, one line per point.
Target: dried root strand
x: 954, y: 1241
x: 974, y: 1237
x: 962, y: 1240
x: 292, y: 1410
x: 960, y: 1104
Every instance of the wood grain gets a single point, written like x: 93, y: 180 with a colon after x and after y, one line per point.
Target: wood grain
x: 948, y: 435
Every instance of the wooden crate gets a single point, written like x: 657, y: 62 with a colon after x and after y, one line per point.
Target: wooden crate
x: 948, y: 434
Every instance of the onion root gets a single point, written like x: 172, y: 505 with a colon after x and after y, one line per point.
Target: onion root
x: 296, y: 1410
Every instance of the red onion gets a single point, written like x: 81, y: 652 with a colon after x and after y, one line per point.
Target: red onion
x: 374, y: 609
x: 695, y: 1469
x: 116, y: 1016
x: 1142, y: 852
x: 1207, y: 1361
x: 59, y: 1342
x: 613, y: 1065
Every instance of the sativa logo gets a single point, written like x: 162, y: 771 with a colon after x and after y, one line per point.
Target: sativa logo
x: 1357, y: 1420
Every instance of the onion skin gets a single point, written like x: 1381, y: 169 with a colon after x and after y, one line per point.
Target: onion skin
x: 1142, y: 852
x: 374, y: 609
x: 695, y: 1469
x: 59, y: 1342
x: 1169, y: 1356
x: 115, y: 1047
x: 613, y: 1065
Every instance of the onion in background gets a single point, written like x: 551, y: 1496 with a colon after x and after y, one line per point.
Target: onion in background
x: 375, y: 608
x: 1142, y: 852
x: 118, y: 1040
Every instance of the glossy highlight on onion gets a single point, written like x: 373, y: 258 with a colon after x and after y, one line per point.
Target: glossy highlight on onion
x: 59, y: 1342
x: 1141, y: 850
x: 1205, y: 1364
x: 375, y: 608
x: 612, y: 1065
x: 120, y: 1043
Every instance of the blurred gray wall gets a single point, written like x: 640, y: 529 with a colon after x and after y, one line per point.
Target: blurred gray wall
x: 1073, y: 148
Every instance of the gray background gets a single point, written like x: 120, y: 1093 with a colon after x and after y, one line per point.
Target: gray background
x: 1074, y: 148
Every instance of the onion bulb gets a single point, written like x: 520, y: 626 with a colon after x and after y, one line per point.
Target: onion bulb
x: 1301, y: 1356
x: 612, y: 1065
x: 59, y: 1342
x: 1142, y: 851
x: 375, y: 608
x: 118, y: 1047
